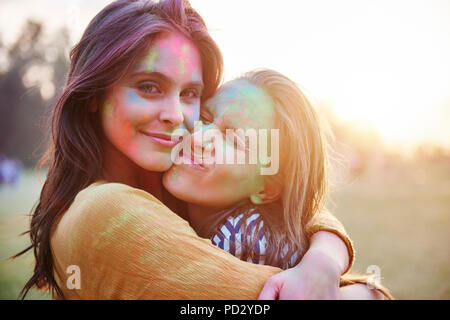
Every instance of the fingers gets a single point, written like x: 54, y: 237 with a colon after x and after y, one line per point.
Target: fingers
x: 270, y: 291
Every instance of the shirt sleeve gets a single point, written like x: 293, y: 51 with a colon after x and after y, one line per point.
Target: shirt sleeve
x: 325, y: 221
x: 128, y: 245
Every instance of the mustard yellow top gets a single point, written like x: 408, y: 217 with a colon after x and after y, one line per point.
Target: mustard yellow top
x: 128, y: 245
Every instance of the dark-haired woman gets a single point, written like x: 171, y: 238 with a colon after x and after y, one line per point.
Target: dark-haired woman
x: 139, y: 72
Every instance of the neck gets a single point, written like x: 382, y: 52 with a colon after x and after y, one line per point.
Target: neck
x: 151, y: 182
x: 120, y: 169
x: 198, y: 216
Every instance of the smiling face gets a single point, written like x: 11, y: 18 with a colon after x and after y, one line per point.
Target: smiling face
x: 161, y: 94
x: 237, y: 105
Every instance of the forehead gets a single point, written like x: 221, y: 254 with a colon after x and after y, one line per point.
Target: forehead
x: 173, y: 55
x: 242, y: 104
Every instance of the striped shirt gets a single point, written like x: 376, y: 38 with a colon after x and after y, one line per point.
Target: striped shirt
x: 232, y: 238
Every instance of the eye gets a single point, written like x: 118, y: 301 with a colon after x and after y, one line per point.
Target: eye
x: 206, y: 116
x: 190, y: 94
x: 149, y: 88
x: 232, y: 137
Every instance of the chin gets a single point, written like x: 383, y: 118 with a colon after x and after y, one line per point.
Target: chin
x: 180, y: 188
x: 158, y: 163
x: 171, y: 182
x: 185, y: 190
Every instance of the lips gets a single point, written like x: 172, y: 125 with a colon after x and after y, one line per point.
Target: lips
x: 162, y: 139
x: 190, y: 161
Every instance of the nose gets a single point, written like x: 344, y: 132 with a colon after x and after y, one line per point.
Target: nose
x: 202, y: 142
x: 172, y: 116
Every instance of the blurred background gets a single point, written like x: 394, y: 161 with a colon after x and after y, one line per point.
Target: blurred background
x: 378, y: 70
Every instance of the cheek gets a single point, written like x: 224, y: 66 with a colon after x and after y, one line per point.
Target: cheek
x: 119, y: 125
x: 232, y: 181
x: 124, y: 113
x: 126, y: 106
x: 135, y: 109
x: 182, y: 184
x: 228, y: 183
x: 115, y: 121
x: 170, y: 178
x: 246, y: 179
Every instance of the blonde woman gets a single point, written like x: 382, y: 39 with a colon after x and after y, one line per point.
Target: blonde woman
x: 264, y: 219
x: 103, y: 210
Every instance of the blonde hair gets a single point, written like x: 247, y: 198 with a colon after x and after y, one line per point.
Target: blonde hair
x: 302, y: 173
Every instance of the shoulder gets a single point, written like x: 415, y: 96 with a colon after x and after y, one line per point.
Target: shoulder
x: 111, y: 229
x: 106, y: 200
x: 105, y: 211
x: 102, y: 193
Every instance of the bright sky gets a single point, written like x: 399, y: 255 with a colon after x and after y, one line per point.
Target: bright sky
x: 384, y: 63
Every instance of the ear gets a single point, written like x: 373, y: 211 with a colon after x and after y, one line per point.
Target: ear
x: 270, y: 193
x: 93, y: 105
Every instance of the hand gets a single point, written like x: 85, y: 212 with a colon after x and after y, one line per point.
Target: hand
x: 315, y: 277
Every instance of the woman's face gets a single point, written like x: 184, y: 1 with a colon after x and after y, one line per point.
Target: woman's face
x: 237, y: 105
x: 161, y: 94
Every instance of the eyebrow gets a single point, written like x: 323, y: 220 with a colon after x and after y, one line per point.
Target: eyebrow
x: 163, y: 77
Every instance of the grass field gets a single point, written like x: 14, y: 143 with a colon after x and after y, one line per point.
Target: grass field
x: 15, y: 205
x: 401, y: 225
x: 397, y: 222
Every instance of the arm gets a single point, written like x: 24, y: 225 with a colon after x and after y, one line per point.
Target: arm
x: 130, y: 246
x: 332, y: 247
x: 336, y: 242
x: 317, y: 276
x: 360, y: 291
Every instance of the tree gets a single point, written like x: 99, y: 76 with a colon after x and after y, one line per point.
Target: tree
x: 33, y: 68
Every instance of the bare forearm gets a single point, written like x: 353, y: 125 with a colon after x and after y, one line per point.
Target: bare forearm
x: 332, y: 246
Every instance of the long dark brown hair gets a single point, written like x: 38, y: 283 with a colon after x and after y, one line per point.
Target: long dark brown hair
x: 109, y: 47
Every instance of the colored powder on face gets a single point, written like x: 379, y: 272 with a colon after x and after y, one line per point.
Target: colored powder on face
x: 151, y: 58
x: 253, y: 105
x: 133, y: 98
x: 166, y: 55
x: 196, y: 76
x: 181, y: 60
x: 174, y: 174
x: 248, y: 90
x: 108, y: 108
x: 181, y: 66
x: 192, y: 115
x: 189, y: 112
x: 185, y: 49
